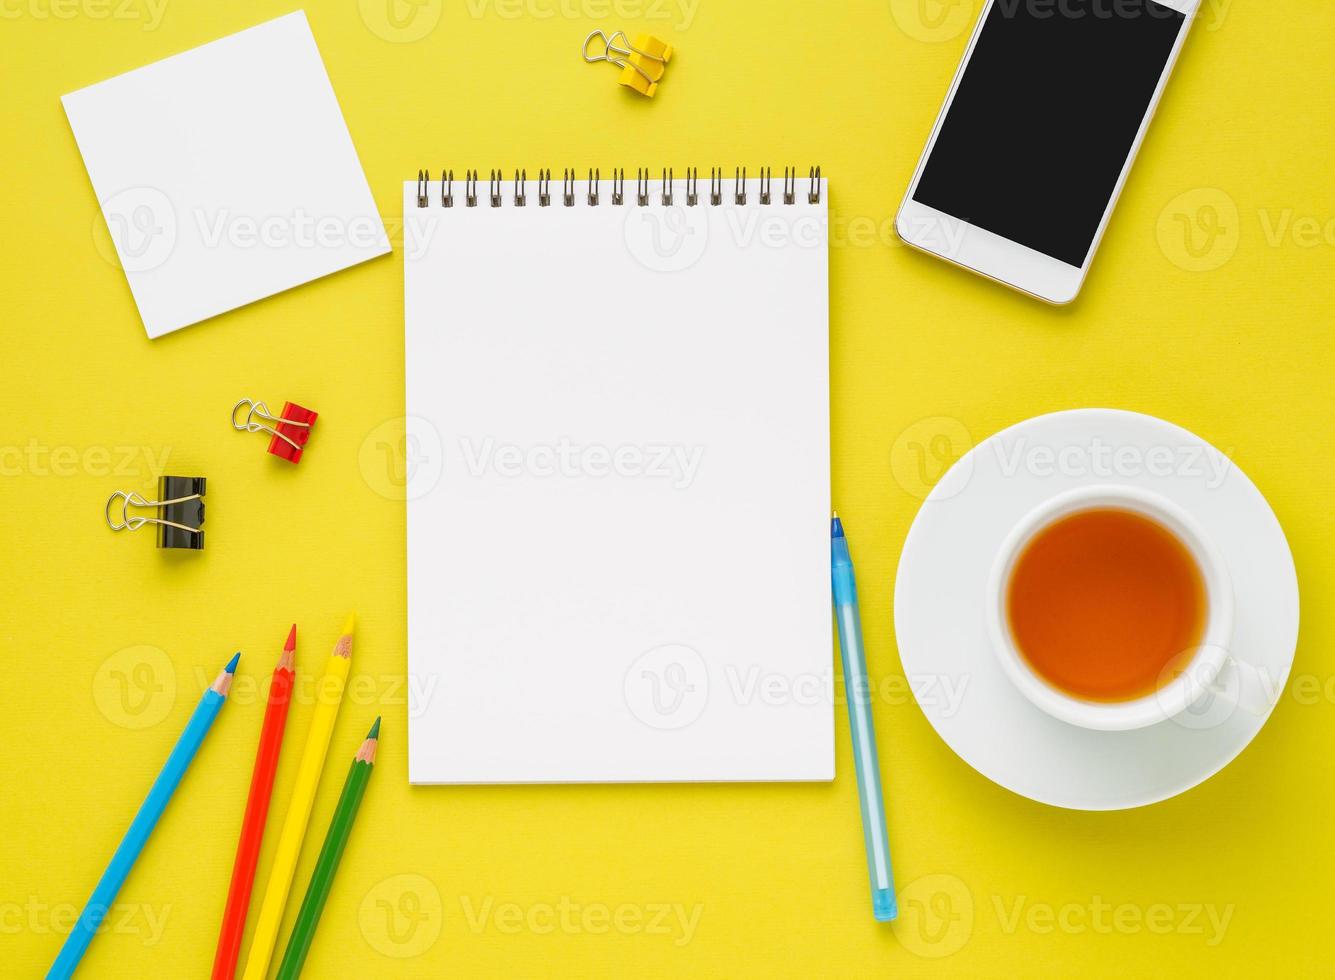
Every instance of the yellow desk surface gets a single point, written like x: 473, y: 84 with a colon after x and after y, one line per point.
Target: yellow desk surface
x: 1221, y: 326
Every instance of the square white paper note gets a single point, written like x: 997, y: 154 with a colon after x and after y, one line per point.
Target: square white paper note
x: 226, y: 174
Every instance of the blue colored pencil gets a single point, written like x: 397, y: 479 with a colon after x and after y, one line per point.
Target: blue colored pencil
x: 76, y: 943
x: 884, y: 907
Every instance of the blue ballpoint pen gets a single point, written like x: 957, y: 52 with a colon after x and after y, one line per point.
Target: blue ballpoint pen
x: 883, y: 905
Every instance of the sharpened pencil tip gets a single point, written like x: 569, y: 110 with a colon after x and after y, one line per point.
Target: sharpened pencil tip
x: 343, y: 647
x: 291, y: 643
x: 366, y: 751
x: 231, y: 664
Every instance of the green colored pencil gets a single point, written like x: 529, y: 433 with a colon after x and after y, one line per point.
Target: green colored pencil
x: 331, y: 852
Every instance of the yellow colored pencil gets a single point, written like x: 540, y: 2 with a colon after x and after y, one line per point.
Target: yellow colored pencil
x: 329, y: 696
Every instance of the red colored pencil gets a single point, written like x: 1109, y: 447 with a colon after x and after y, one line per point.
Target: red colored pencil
x: 257, y: 808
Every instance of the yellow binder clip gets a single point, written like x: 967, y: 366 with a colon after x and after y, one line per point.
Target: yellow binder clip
x: 642, y: 63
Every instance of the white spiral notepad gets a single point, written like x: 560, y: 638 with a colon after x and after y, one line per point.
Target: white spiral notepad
x: 618, y: 479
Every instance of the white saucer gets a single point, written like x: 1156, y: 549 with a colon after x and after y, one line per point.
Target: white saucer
x: 942, y: 579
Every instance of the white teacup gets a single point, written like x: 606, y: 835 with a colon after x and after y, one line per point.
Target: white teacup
x: 1211, y: 669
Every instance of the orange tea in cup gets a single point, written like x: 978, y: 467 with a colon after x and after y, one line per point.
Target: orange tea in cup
x: 1105, y: 603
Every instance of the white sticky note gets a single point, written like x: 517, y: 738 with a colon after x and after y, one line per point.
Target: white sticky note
x: 226, y: 174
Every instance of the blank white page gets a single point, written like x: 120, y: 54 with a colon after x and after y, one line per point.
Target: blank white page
x: 226, y: 174
x: 618, y: 488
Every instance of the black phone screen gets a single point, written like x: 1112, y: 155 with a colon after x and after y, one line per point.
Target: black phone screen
x: 1044, y: 117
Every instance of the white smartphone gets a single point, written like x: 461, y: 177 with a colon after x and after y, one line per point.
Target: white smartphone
x: 1037, y: 135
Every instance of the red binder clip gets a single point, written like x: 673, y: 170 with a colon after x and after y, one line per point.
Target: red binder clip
x: 293, y: 426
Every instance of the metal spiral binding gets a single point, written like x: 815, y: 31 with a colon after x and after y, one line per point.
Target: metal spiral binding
x: 643, y: 178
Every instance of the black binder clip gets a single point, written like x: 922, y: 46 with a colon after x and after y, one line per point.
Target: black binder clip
x: 180, y: 506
